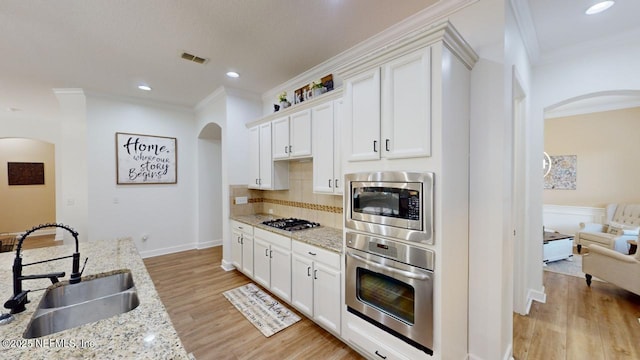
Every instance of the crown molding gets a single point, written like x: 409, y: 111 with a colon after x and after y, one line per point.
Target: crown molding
x: 415, y: 23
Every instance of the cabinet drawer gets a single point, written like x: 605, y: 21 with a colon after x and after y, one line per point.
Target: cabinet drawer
x: 371, y: 345
x: 273, y: 238
x: 242, y: 227
x: 315, y: 253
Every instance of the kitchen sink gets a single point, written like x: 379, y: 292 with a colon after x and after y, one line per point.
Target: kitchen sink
x: 86, y: 290
x: 66, y: 306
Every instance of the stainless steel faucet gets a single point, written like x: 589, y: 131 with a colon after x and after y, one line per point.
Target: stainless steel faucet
x: 17, y: 302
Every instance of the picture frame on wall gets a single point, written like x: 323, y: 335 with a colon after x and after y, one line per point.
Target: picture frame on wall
x: 146, y: 159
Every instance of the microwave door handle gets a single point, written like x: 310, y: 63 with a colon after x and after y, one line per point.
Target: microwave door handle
x: 404, y: 273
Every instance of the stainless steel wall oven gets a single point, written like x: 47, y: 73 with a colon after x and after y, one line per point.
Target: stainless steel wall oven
x: 390, y: 285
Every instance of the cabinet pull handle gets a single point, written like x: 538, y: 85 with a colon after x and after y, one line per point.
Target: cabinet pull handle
x: 256, y: 181
x: 270, y: 254
x: 336, y: 183
x: 315, y: 274
x: 312, y: 253
x: 242, y: 239
x: 380, y: 355
x: 289, y: 149
x: 308, y: 270
x: 386, y: 144
x: 266, y: 252
x: 375, y: 142
x: 329, y: 182
x: 286, y: 149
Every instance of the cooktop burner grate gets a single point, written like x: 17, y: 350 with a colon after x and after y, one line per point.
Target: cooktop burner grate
x: 291, y: 224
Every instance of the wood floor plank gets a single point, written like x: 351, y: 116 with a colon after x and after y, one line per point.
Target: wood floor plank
x: 579, y: 322
x: 191, y: 284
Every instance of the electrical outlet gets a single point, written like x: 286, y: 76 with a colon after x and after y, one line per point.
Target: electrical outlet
x: 241, y: 200
x: 270, y: 211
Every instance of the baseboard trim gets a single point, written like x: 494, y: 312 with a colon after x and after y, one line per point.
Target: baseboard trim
x: 226, y: 266
x: 209, y: 244
x: 168, y: 250
x: 535, y: 295
x: 508, y: 354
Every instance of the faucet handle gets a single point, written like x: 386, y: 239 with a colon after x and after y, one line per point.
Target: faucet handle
x: 16, y: 302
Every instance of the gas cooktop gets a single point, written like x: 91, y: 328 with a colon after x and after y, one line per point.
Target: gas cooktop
x: 291, y: 224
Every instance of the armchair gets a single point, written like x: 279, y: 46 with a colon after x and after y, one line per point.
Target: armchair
x: 609, y: 265
x: 622, y: 224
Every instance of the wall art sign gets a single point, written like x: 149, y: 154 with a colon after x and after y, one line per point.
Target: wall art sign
x: 25, y: 173
x: 146, y: 159
x: 563, y: 173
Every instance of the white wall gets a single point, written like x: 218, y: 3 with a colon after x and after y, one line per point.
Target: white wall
x: 209, y: 196
x: 231, y: 110
x: 167, y: 212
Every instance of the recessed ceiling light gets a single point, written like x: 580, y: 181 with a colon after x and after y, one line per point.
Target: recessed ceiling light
x: 599, y: 7
x: 144, y: 87
x: 233, y: 74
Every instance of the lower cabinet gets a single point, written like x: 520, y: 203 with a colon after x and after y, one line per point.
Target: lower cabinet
x: 272, y: 262
x: 242, y: 247
x: 316, y: 286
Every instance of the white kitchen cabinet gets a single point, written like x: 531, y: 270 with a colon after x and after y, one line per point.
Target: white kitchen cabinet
x: 316, y: 285
x: 388, y: 109
x: 272, y: 262
x: 362, y: 113
x: 406, y: 106
x: 264, y: 172
x: 242, y: 247
x: 326, y: 125
x: 292, y: 136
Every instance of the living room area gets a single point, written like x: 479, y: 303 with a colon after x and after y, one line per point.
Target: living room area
x: 590, y: 202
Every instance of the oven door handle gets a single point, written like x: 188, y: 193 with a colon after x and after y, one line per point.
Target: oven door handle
x: 404, y: 273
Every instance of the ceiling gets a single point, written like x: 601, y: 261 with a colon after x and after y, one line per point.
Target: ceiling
x: 111, y: 46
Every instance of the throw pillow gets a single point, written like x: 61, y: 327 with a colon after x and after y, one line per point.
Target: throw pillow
x: 614, y: 230
x: 626, y: 229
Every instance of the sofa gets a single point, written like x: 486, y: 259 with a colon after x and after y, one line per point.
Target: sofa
x: 611, y: 266
x: 622, y: 224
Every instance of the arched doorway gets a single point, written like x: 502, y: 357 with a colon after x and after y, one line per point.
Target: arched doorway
x: 210, y: 186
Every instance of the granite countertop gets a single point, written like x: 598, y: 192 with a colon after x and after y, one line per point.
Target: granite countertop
x: 145, y: 332
x: 321, y: 236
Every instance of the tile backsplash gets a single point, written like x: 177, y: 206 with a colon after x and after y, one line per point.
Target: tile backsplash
x: 298, y: 201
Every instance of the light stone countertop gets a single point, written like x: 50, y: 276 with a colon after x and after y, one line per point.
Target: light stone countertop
x: 321, y: 236
x: 145, y: 332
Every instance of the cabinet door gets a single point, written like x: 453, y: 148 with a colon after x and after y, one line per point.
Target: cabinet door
x: 362, y: 114
x: 261, y: 262
x: 280, y: 138
x: 280, y: 272
x: 323, y: 179
x: 338, y: 120
x: 302, y: 284
x: 236, y: 249
x: 254, y: 158
x: 247, y: 254
x: 266, y: 162
x: 300, y: 134
x: 406, y: 106
x: 326, y: 297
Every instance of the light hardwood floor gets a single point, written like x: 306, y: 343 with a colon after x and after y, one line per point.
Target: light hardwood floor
x: 191, y: 284
x: 578, y: 322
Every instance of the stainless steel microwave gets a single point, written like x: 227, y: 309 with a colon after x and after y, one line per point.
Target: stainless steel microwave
x: 394, y: 204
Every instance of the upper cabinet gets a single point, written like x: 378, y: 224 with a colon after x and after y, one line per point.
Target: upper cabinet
x: 327, y: 170
x: 263, y: 171
x: 292, y: 136
x: 388, y: 109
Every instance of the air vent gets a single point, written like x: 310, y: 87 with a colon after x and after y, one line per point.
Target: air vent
x: 195, y: 59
